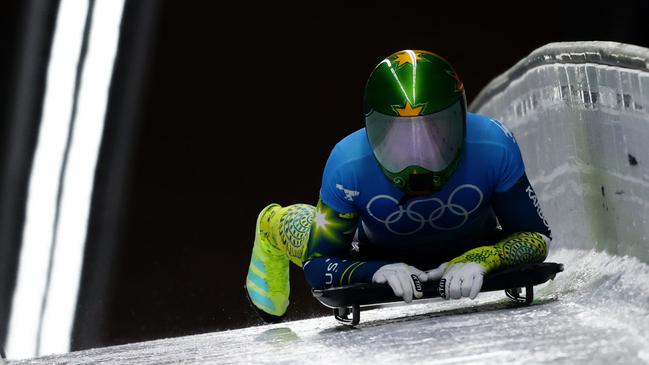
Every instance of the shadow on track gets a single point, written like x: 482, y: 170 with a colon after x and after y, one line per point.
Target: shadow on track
x: 481, y: 308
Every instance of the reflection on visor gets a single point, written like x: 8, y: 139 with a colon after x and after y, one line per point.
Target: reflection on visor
x: 430, y: 141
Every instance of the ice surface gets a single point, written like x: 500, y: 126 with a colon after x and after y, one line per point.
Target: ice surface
x: 580, y: 112
x: 595, y: 312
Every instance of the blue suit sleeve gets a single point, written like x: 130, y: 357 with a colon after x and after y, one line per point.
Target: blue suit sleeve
x: 328, y: 260
x: 518, y: 209
x: 328, y: 272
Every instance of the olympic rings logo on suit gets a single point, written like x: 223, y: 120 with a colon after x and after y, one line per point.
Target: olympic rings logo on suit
x: 433, y: 217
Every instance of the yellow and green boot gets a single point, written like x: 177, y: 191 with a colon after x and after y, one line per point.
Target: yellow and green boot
x: 281, y: 235
x: 267, y: 283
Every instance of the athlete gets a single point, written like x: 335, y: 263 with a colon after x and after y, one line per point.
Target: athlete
x: 426, y: 191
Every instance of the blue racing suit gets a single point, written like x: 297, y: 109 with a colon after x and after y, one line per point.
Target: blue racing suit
x: 487, y: 198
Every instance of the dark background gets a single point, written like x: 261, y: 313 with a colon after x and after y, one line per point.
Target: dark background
x: 218, y: 109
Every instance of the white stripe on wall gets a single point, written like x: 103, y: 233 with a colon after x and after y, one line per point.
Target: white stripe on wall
x: 67, y: 247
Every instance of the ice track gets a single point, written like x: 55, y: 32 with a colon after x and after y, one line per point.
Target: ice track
x: 594, y: 312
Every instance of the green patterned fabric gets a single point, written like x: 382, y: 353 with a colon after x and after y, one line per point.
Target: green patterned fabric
x: 519, y: 248
x: 295, y: 229
x: 331, y: 233
x: 302, y: 230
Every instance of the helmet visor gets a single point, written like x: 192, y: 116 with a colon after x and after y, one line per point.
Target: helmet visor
x: 430, y: 141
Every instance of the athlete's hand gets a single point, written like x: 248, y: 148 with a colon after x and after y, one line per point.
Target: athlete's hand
x: 405, y: 280
x: 463, y: 279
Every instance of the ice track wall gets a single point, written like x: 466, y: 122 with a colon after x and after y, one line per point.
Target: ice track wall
x: 580, y: 113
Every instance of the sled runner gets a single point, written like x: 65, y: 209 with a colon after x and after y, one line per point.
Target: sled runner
x: 349, y: 300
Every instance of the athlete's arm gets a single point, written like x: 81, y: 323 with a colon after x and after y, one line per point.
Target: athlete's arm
x: 528, y: 237
x: 518, y: 248
x: 329, y: 264
x: 327, y: 260
x: 527, y: 231
x: 519, y: 214
x: 518, y: 211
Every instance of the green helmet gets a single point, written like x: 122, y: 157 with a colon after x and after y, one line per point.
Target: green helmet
x: 415, y: 117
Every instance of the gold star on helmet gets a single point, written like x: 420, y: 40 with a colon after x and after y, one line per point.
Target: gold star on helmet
x: 405, y: 57
x: 409, y: 111
x: 420, y: 54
